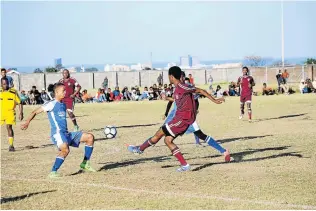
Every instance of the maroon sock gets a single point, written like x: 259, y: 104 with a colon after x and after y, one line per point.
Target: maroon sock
x: 146, y: 144
x: 176, y: 152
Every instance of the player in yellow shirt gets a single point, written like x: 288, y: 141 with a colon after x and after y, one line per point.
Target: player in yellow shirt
x: 9, y: 99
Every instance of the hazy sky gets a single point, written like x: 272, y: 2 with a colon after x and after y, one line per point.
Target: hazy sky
x: 35, y: 33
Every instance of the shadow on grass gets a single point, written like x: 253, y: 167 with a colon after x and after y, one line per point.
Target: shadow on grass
x: 281, y: 117
x: 18, y: 198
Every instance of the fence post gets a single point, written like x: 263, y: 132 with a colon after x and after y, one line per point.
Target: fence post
x: 93, y: 85
x: 140, y: 79
x: 19, y: 79
x: 45, y: 81
x: 116, y: 78
x: 205, y: 76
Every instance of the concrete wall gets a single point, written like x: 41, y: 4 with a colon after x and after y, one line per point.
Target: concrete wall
x: 148, y: 78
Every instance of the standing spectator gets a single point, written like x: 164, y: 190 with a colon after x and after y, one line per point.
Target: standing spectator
x: 278, y: 76
x: 105, y: 83
x: 191, y: 79
x: 283, y: 85
x: 285, y: 76
x: 24, y: 98
x: 160, y: 79
x: 36, y: 95
x: 9, y: 78
x: 210, y: 81
x: 45, y: 97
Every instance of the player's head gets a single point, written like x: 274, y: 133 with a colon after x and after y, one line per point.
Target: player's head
x: 245, y: 70
x: 66, y: 74
x: 59, y: 91
x: 187, y: 80
x: 264, y: 85
x: 174, y: 74
x: 190, y: 75
x: 3, y: 72
x: 4, y: 83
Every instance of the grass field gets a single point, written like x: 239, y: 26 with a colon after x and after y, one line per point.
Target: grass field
x: 277, y: 168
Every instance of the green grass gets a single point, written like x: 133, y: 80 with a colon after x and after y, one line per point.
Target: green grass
x: 277, y: 168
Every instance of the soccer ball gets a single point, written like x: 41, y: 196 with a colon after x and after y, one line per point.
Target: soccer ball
x: 110, y: 132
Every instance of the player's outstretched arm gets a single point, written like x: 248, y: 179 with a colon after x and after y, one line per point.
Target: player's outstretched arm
x: 31, y: 117
x: 205, y: 94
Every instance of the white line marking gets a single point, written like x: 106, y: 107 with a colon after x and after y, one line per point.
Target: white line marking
x: 188, y: 195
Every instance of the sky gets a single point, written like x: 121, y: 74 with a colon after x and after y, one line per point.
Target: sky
x: 35, y: 33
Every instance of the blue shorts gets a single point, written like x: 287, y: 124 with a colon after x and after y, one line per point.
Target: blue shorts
x: 72, y: 139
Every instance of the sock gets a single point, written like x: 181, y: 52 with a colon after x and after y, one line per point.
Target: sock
x: 146, y: 144
x: 249, y: 114
x: 58, y: 162
x: 11, y: 139
x: 87, y: 152
x: 197, y: 140
x: 176, y: 152
x: 210, y: 141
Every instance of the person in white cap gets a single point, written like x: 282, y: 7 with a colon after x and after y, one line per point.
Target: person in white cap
x: 45, y: 97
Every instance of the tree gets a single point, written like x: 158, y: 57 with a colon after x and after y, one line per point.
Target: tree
x: 310, y: 61
x: 91, y: 69
x: 51, y: 70
x: 38, y: 70
x: 255, y: 61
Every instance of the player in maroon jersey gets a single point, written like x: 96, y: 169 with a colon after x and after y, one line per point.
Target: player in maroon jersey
x: 245, y: 83
x: 72, y: 88
x: 184, y: 117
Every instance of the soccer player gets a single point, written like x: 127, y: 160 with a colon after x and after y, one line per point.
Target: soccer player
x: 195, y: 129
x: 9, y: 78
x: 56, y: 111
x: 245, y: 83
x: 184, y: 117
x: 9, y: 99
x: 70, y: 85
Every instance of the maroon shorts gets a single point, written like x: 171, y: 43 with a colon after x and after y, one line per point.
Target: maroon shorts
x: 245, y: 99
x: 70, y: 104
x: 175, y: 127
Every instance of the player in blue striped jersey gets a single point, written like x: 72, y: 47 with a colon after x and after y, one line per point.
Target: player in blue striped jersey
x: 56, y: 111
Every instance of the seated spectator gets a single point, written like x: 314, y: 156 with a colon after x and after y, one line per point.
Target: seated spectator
x: 151, y: 94
x: 100, y: 96
x: 36, y: 96
x: 50, y: 91
x: 24, y: 98
x: 169, y: 91
x: 117, y: 94
x: 135, y: 93
x: 45, y: 97
x: 283, y: 85
x: 155, y: 91
x: 267, y: 90
x: 87, y: 98
x: 310, y: 87
x: 31, y: 98
x: 232, y: 89
x: 219, y: 91
x: 145, y: 94
x: 127, y: 95
x: 109, y: 95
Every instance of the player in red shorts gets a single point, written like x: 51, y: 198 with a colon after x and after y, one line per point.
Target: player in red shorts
x: 184, y: 117
x: 72, y: 88
x: 245, y: 83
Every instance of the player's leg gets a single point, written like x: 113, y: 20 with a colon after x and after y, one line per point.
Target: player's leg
x: 10, y: 137
x: 176, y: 152
x: 192, y: 128
x: 149, y: 142
x: 242, y: 108
x: 70, y: 110
x: 88, y: 139
x: 63, y: 153
x: 211, y: 142
x: 249, y: 110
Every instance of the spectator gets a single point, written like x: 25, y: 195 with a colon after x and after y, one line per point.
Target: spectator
x: 86, y: 97
x: 219, y: 91
x: 9, y: 78
x: 303, y: 87
x: 105, y: 83
x: 284, y: 87
x: 109, y: 95
x: 169, y: 92
x: 117, y: 94
x: 210, y: 81
x: 155, y: 91
x: 36, y: 96
x: 232, y: 89
x: 31, y: 98
x: 50, y: 91
x: 267, y: 90
x: 145, y: 94
x: 285, y: 76
x: 151, y: 94
x: 100, y: 96
x: 45, y: 97
x: 24, y: 98
x: 160, y: 80
x: 279, y: 80
x: 314, y: 84
x: 191, y: 79
x: 134, y: 93
x: 126, y: 94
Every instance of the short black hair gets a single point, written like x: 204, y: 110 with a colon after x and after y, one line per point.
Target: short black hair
x: 175, y: 71
x: 4, y: 79
x: 245, y: 67
x: 183, y: 74
x: 187, y: 79
x: 56, y: 85
x: 264, y: 84
x: 3, y: 70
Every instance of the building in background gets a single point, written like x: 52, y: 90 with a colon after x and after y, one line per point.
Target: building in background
x: 58, y: 62
x: 189, y: 61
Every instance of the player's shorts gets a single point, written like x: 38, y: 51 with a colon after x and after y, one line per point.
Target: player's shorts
x: 72, y: 139
x: 192, y: 128
x: 245, y: 99
x: 8, y: 118
x: 175, y: 127
x: 70, y: 104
